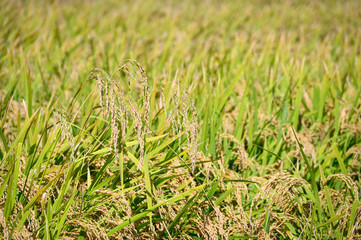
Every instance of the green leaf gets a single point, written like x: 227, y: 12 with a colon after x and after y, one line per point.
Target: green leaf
x: 224, y: 196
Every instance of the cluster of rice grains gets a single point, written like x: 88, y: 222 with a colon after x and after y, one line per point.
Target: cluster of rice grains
x: 183, y: 104
x: 123, y: 109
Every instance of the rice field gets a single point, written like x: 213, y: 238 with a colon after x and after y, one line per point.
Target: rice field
x: 180, y: 120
